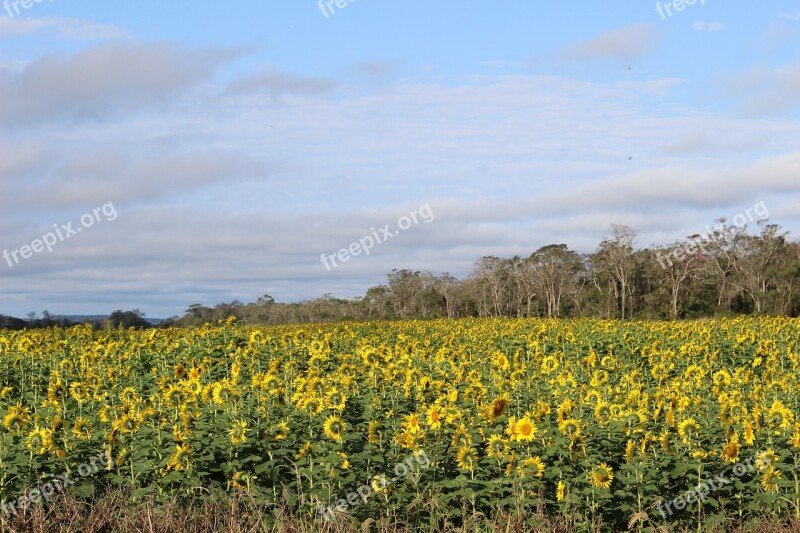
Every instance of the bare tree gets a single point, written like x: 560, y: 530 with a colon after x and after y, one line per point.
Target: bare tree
x: 615, y: 258
x: 554, y: 268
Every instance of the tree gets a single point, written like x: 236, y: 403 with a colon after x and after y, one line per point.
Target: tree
x: 128, y: 319
x: 494, y: 274
x: 404, y: 287
x: 615, y: 259
x: 752, y: 266
x: 677, y: 268
x: 554, y: 268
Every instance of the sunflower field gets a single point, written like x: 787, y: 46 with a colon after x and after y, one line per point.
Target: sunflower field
x: 595, y: 420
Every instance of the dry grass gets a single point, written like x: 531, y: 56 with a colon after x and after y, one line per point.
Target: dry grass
x: 115, y: 512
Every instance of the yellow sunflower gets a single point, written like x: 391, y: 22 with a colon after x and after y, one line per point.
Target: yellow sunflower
x: 601, y: 476
x: 39, y: 440
x: 179, y: 460
x: 560, y: 489
x: 467, y: 458
x: 496, y: 447
x: 524, y: 430
x: 17, y: 418
x: 334, y: 428
x: 434, y: 417
x: 532, y: 466
x: 82, y: 429
x: 730, y: 452
x: 238, y: 432
x: 688, y: 429
x: 769, y: 481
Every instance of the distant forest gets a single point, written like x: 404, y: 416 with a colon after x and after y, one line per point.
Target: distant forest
x: 727, y: 271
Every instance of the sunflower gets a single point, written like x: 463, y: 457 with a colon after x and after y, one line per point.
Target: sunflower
x: 730, y: 452
x: 280, y: 431
x: 127, y: 423
x: 173, y: 395
x: 511, y: 428
x: 79, y: 392
x: 531, y: 466
x: 634, y: 421
x: 39, y: 440
x: 549, y: 365
x: 766, y: 460
x: 501, y: 361
x: 379, y: 484
x: 630, y: 446
x: 434, y: 417
x: 129, y: 396
x: 593, y: 397
x: 524, y: 430
x: 466, y: 458
x: 303, y: 451
x: 688, y: 429
x: 17, y: 418
x: 82, y: 429
x: 794, y: 440
x: 371, y: 358
x: 770, y: 480
x: 560, y: 489
x: 602, y: 412
x: 499, y: 406
x: 749, y: 433
x: 345, y: 461
x: 335, y: 400
x: 372, y: 433
x: 570, y: 427
x: 179, y: 460
x: 56, y: 392
x: 242, y: 480
x: 778, y: 416
x: 461, y: 437
x: 223, y: 392
x: 496, y: 446
x: 601, y: 476
x: 411, y: 423
x: 334, y: 428
x: 180, y: 434
x: 238, y: 432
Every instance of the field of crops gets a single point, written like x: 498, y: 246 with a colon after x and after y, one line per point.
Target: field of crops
x: 588, y: 419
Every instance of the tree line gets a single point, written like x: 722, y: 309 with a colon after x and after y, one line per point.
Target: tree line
x: 728, y: 271
x: 124, y: 319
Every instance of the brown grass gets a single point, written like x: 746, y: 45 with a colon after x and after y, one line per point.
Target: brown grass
x: 115, y: 512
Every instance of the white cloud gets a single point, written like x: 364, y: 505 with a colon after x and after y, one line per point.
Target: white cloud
x: 623, y: 44
x: 67, y: 28
x: 101, y: 80
x: 766, y: 90
x: 708, y: 26
x: 792, y: 14
x: 507, y: 164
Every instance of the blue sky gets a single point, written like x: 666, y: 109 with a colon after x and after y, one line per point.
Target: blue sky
x: 239, y: 142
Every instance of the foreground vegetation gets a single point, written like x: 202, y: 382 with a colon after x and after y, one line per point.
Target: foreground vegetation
x: 522, y: 424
